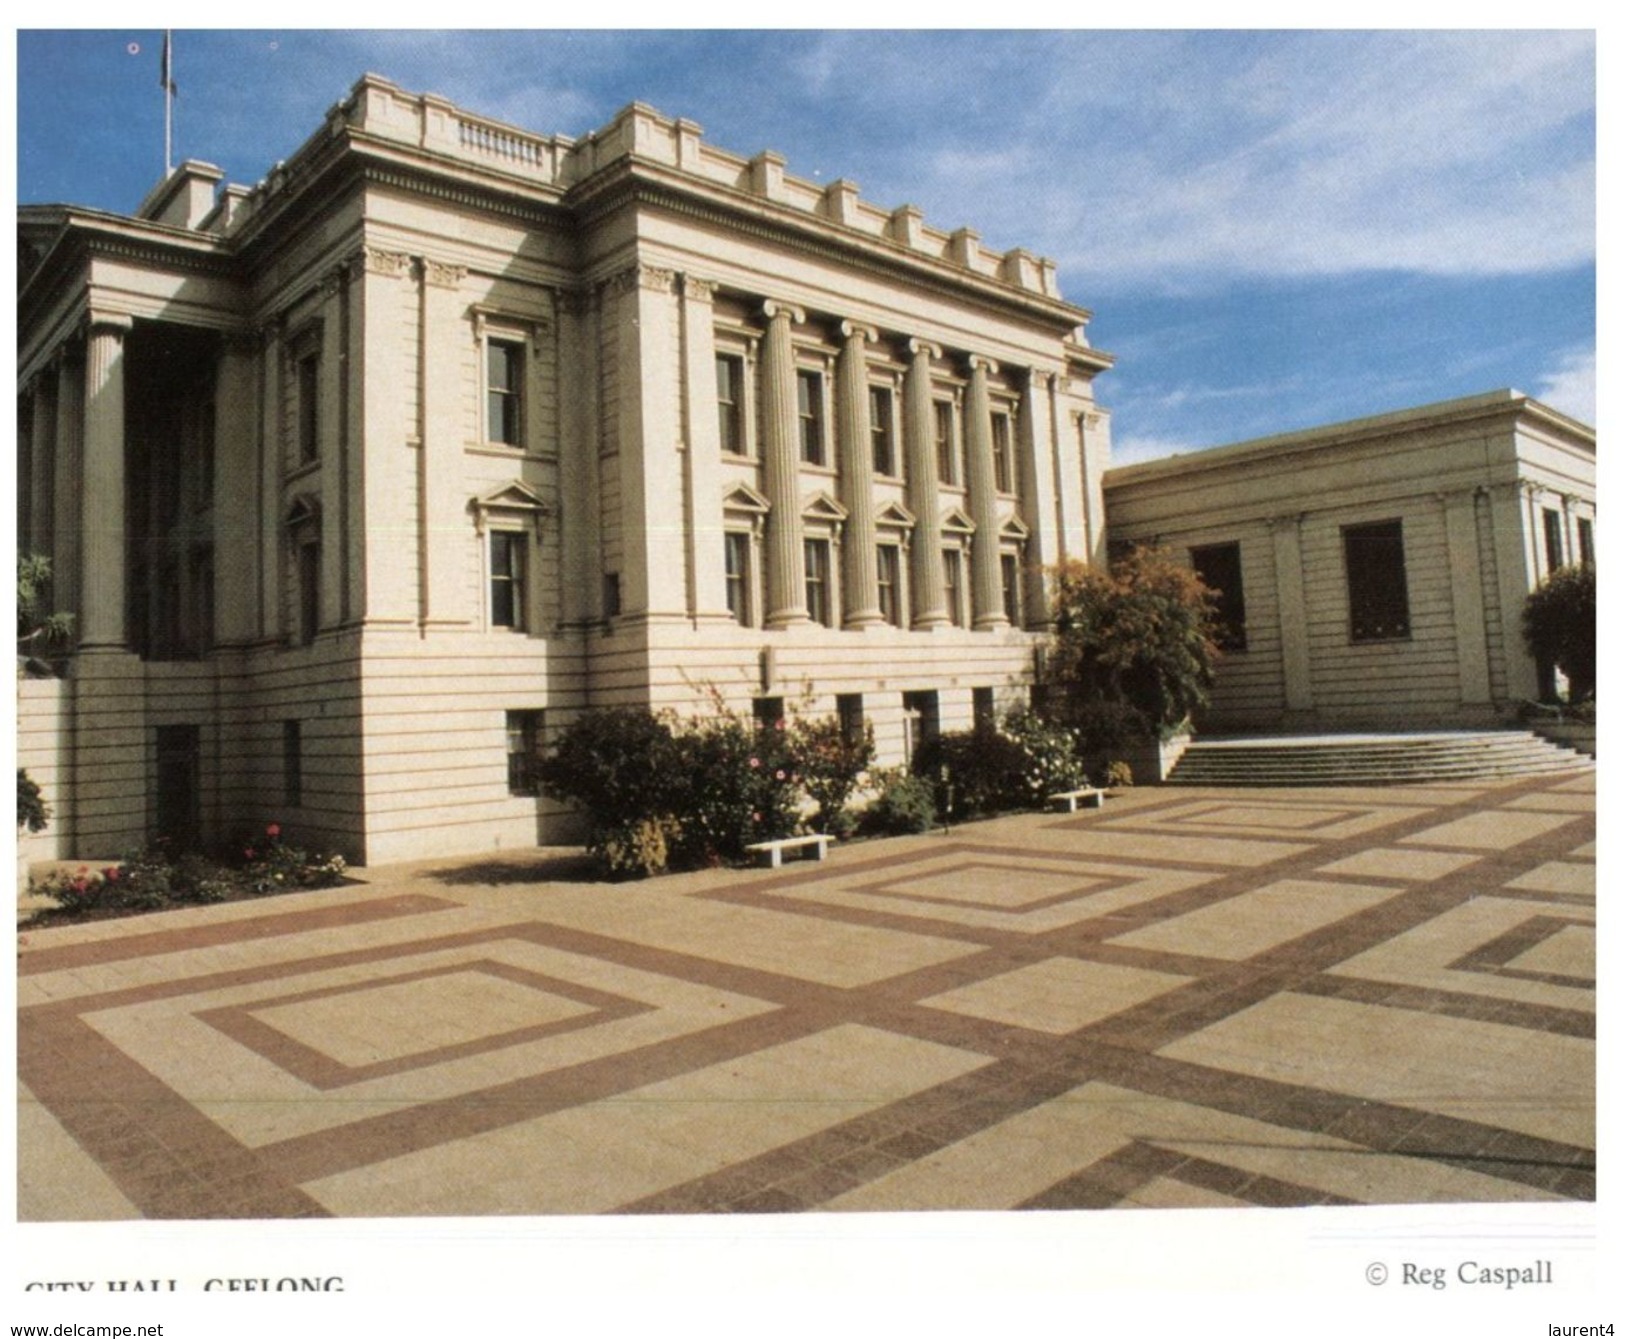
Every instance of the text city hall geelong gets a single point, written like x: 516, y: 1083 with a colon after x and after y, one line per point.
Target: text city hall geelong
x: 361, y: 481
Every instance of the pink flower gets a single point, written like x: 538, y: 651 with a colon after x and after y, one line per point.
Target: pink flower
x: 273, y: 830
x: 755, y: 762
x: 779, y: 775
x: 111, y: 874
x: 248, y: 853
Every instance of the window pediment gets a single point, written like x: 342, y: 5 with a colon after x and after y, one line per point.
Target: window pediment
x: 955, y: 522
x: 743, y: 498
x: 895, y: 516
x: 823, y: 509
x: 1015, y: 529
x: 515, y: 501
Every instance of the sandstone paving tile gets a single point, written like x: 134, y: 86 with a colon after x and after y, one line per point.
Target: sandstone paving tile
x: 1491, y: 830
x: 1388, y: 862
x: 1484, y: 1072
x: 1558, y: 876
x: 1252, y: 922
x: 1057, y: 994
x: 1178, y: 1193
x: 602, y: 1154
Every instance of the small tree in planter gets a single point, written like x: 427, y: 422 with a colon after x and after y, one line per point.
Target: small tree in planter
x: 1133, y: 650
x: 32, y: 811
x: 1560, y: 627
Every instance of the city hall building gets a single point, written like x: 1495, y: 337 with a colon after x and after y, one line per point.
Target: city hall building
x: 363, y: 481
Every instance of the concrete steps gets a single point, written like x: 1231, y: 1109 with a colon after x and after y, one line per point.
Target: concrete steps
x: 1372, y: 760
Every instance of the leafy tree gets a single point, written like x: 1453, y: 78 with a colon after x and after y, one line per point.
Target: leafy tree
x: 1133, y: 644
x: 37, y: 628
x: 1560, y: 627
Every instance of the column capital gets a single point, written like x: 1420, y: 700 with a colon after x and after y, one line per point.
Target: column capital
x: 1287, y: 521
x: 696, y: 289
x: 390, y: 264
x: 977, y: 362
x: 923, y: 348
x: 109, y: 323
x: 437, y: 274
x: 857, y: 330
x: 772, y: 308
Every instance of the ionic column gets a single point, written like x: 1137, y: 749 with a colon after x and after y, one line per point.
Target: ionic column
x: 862, y: 579
x: 987, y: 595
x: 702, y: 453
x: 102, y: 601
x: 68, y: 469
x: 781, y: 459
x: 919, y: 426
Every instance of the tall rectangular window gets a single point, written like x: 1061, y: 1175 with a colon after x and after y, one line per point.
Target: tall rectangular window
x: 810, y: 412
x: 953, y: 585
x: 982, y: 710
x: 504, y: 390
x: 768, y: 712
x: 736, y: 571
x: 880, y: 432
x: 307, y: 389
x: 1010, y: 586
x: 849, y: 711
x: 942, y: 426
x: 1219, y: 567
x: 889, y: 570
x: 1374, y: 565
x: 1588, y: 555
x: 293, y: 764
x: 922, y: 720
x: 731, y: 403
x: 818, y: 595
x: 1004, y: 475
x: 1552, y: 526
x: 525, y: 740
x: 308, y: 563
x: 508, y: 580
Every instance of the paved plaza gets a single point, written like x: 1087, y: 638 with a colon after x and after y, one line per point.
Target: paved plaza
x: 1191, y: 997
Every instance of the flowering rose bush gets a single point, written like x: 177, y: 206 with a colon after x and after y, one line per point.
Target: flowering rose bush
x: 157, y: 876
x: 832, y: 761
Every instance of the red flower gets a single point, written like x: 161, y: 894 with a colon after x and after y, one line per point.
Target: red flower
x: 111, y: 874
x: 273, y: 830
x: 248, y: 853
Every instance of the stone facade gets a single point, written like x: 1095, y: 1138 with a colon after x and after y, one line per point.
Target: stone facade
x: 1378, y: 569
x: 362, y: 481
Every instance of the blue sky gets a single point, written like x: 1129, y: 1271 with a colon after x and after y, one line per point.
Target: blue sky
x: 1274, y: 228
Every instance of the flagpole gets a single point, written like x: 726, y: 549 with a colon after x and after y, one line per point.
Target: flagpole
x: 169, y: 105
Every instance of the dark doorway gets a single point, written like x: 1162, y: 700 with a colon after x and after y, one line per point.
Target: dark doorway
x: 179, y: 786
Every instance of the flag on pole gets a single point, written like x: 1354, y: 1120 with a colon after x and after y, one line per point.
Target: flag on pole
x: 166, y: 75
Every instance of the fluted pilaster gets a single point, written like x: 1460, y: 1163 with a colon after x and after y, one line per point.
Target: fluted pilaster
x: 786, y: 564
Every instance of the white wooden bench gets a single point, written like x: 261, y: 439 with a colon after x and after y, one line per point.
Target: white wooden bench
x: 1092, y: 796
x: 814, y: 843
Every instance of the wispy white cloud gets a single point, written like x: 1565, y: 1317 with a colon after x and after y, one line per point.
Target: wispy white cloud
x: 1571, y: 385
x: 1133, y: 448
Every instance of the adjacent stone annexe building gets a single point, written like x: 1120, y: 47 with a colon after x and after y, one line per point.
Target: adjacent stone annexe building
x: 362, y: 480
x: 1374, y: 573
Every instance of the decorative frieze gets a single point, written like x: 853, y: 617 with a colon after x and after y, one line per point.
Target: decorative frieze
x: 438, y: 274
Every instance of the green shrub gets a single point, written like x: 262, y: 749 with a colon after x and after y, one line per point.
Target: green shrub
x: 1052, y: 762
x: 830, y: 763
x: 1118, y: 776
x: 904, y: 804
x: 1560, y: 627
x: 638, y: 849
x: 32, y: 811
x: 736, y: 784
x: 984, y: 770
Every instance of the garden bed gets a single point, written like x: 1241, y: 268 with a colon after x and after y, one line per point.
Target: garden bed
x: 161, y: 877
